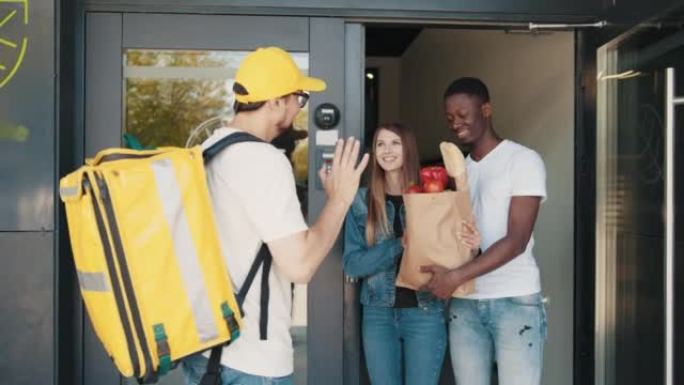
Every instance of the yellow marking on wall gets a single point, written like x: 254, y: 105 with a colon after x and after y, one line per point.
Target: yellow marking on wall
x: 13, y: 132
x: 17, y: 64
x: 8, y: 43
x: 8, y: 17
x: 12, y: 44
x: 24, y: 3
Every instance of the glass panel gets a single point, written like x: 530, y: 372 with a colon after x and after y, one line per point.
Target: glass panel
x: 178, y: 97
x: 631, y: 170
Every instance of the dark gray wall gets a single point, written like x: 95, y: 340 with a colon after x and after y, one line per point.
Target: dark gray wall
x: 26, y: 122
x: 27, y: 181
x: 26, y: 287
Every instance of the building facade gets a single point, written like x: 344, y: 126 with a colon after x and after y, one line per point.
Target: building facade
x: 69, y: 75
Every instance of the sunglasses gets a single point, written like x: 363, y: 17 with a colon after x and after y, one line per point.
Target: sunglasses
x: 302, y: 98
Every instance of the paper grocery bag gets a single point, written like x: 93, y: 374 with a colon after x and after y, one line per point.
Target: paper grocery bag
x: 433, y: 221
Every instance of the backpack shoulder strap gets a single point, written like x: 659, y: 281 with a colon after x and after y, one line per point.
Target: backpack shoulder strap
x: 212, y: 375
x: 264, y: 260
x: 238, y: 137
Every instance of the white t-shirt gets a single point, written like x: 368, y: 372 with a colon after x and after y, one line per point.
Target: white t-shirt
x: 509, y: 170
x: 253, y: 193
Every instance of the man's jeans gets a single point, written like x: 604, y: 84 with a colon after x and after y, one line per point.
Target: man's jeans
x: 510, y: 331
x: 423, y: 333
x: 195, y: 366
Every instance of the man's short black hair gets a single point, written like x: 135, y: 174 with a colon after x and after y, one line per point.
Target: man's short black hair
x: 469, y: 86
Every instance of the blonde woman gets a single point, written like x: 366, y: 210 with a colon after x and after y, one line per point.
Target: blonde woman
x: 403, y: 331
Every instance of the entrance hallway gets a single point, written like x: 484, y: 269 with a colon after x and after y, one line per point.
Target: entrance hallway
x: 531, y: 83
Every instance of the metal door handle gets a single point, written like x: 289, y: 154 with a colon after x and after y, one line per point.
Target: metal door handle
x: 671, y: 101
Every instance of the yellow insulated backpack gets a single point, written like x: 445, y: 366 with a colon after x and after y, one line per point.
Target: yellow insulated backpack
x: 147, y: 253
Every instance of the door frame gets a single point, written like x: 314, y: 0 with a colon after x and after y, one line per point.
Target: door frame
x: 584, y: 177
x: 584, y: 160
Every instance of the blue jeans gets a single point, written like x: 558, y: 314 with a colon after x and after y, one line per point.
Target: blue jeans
x: 510, y: 331
x: 413, y: 336
x: 194, y: 367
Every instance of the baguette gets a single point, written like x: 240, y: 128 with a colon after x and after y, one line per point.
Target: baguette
x: 455, y: 164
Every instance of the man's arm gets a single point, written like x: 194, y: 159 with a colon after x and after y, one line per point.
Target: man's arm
x: 521, y: 219
x: 298, y: 256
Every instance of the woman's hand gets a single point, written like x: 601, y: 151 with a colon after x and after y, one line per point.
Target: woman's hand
x: 469, y: 235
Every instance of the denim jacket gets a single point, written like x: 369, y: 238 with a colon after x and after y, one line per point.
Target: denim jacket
x: 376, y: 266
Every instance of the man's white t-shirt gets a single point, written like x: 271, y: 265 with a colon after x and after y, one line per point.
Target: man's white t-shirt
x: 509, y: 170
x: 254, y: 197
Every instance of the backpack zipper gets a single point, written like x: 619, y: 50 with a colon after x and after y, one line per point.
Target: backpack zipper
x: 114, y: 277
x: 125, y: 272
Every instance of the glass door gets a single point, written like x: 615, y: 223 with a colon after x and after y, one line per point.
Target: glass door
x: 166, y: 80
x: 639, y: 248
x: 178, y: 97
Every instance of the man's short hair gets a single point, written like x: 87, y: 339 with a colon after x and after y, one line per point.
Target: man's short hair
x: 246, y: 107
x: 239, y: 89
x: 469, y: 86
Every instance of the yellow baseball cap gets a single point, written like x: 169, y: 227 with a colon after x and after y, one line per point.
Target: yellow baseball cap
x: 269, y: 73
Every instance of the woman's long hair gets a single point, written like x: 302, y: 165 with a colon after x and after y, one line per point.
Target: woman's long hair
x: 377, y: 215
